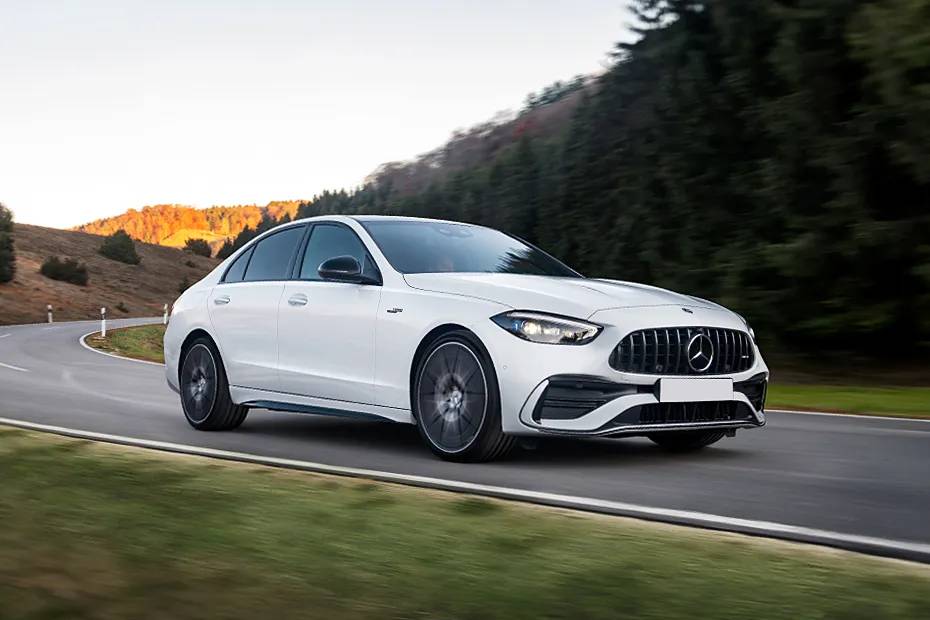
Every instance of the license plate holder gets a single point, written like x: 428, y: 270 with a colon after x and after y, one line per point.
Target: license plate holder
x: 691, y: 390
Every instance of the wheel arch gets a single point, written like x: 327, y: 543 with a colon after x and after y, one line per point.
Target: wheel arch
x: 432, y: 336
x: 189, y: 340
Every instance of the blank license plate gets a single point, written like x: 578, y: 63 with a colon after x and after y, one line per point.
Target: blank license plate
x: 694, y: 390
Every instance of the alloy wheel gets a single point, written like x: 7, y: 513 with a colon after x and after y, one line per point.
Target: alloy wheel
x: 452, y: 397
x: 198, y: 383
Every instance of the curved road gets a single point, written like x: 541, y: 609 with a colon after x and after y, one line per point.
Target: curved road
x: 854, y: 482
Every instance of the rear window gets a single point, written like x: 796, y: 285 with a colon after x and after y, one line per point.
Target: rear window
x: 272, y: 255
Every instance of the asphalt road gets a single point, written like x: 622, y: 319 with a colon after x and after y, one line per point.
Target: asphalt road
x: 856, y: 477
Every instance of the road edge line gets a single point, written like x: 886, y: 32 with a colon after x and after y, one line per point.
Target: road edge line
x: 114, y: 355
x: 906, y: 550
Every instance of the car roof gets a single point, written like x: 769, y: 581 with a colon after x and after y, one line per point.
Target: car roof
x: 402, y: 218
x: 335, y: 217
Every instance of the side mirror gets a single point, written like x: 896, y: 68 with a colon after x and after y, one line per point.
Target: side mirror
x: 344, y: 269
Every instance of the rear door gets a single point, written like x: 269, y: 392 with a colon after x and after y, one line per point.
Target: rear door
x: 244, y: 309
x: 327, y: 329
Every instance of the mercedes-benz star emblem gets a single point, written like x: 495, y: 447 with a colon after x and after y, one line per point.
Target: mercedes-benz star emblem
x: 700, y: 352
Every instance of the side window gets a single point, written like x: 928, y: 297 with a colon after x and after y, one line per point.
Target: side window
x: 237, y: 269
x: 328, y: 241
x: 272, y: 255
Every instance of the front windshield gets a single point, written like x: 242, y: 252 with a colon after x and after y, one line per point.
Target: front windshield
x: 438, y: 247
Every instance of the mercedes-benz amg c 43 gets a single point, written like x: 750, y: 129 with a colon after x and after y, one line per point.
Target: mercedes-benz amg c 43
x: 475, y: 337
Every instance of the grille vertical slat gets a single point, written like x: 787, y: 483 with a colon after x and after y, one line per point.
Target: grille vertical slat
x: 733, y: 360
x: 655, y: 352
x: 632, y: 352
x: 668, y: 350
x: 725, y: 355
x: 642, y: 351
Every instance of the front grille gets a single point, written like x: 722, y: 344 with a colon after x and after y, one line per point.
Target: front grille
x: 685, y: 413
x: 664, y: 351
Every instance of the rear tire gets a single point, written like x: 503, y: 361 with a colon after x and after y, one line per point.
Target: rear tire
x: 686, y: 441
x: 456, y: 400
x: 205, y: 395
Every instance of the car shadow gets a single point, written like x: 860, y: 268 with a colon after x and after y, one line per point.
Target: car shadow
x: 561, y: 451
x: 332, y: 429
x: 403, y: 439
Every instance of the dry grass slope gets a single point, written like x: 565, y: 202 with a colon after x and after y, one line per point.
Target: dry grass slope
x: 143, y: 289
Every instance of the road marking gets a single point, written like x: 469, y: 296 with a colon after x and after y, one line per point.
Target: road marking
x: 5, y: 335
x: 11, y: 367
x: 113, y: 355
x: 867, y: 544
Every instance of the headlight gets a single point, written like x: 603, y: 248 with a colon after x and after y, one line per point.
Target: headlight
x: 547, y: 328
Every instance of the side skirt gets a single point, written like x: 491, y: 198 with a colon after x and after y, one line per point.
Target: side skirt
x: 295, y: 403
x: 273, y: 405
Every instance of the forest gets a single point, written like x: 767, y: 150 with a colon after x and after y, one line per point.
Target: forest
x: 170, y: 224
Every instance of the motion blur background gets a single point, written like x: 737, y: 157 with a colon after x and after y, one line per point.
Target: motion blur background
x: 773, y: 157
x: 770, y: 156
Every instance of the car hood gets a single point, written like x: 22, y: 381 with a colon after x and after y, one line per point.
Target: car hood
x: 578, y: 297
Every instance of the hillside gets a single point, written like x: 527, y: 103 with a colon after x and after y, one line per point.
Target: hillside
x: 173, y: 225
x: 143, y: 289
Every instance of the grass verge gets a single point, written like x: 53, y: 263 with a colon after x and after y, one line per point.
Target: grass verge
x: 890, y: 401
x: 143, y: 342
x: 93, y: 530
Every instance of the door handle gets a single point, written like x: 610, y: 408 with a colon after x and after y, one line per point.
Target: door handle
x: 221, y: 301
x: 298, y: 300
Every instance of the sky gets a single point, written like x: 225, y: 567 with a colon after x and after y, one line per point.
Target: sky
x: 107, y: 105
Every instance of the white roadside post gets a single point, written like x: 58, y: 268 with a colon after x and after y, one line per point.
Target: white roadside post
x: 48, y: 309
x: 165, y: 319
x: 103, y: 322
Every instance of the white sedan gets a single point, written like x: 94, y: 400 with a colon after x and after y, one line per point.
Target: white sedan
x: 472, y: 335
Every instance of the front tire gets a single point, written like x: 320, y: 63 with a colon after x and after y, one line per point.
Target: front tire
x: 456, y: 400
x: 205, y: 395
x: 686, y: 441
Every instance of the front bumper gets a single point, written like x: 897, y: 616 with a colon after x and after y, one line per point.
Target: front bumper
x: 577, y: 405
x: 630, y: 401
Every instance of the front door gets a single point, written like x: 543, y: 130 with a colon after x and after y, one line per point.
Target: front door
x: 326, y: 330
